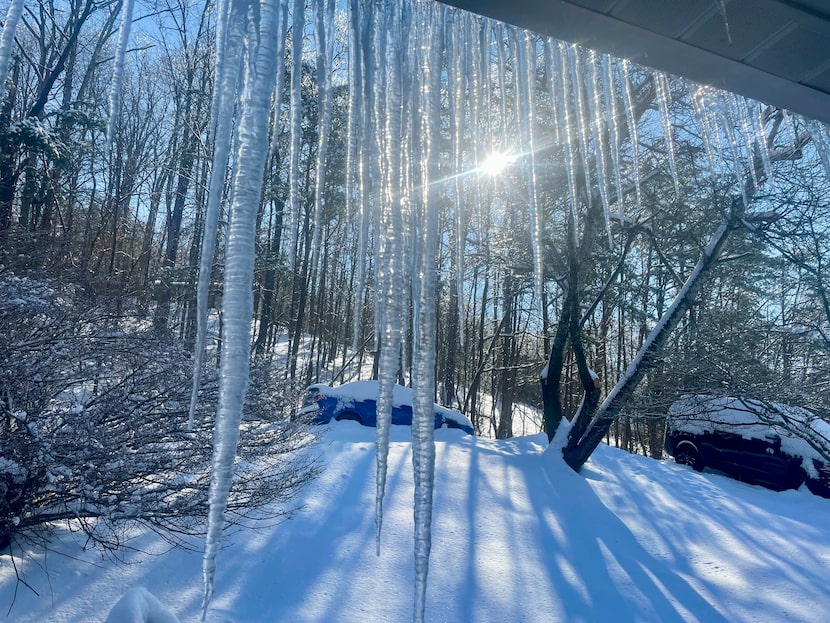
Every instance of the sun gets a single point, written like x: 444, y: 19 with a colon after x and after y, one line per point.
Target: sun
x: 495, y: 163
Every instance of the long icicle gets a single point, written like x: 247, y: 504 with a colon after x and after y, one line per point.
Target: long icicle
x: 527, y: 80
x: 237, y: 300
x: 353, y: 165
x: 7, y: 41
x: 377, y: 172
x: 600, y: 139
x: 739, y: 105
x: 456, y: 78
x: 554, y: 77
x: 728, y: 123
x: 818, y: 132
x: 423, y: 424
x: 501, y: 76
x: 118, y: 70
x: 663, y: 92
x: 757, y: 120
x: 633, y: 132
x: 279, y: 86
x: 229, y: 56
x: 391, y: 261
x: 708, y: 130
x: 582, y: 119
x: 568, y: 139
x: 296, y: 114
x: 324, y: 15
x: 614, y: 130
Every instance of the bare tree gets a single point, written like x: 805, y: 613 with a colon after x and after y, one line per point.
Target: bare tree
x: 93, y: 414
x: 593, y: 420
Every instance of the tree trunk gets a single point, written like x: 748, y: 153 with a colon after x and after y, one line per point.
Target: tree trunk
x: 508, y: 372
x: 269, y: 284
x: 591, y: 424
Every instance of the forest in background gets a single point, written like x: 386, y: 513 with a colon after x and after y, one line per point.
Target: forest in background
x: 125, y: 225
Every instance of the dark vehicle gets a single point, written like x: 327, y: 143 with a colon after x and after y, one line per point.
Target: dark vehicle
x: 763, y: 443
x: 357, y: 401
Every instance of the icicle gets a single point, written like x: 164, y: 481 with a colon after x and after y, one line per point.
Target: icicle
x: 738, y: 104
x: 390, y: 266
x: 378, y: 172
x: 482, y: 95
x: 554, y: 75
x: 663, y: 93
x: 324, y: 13
x: 423, y: 431
x: 818, y: 132
x: 366, y: 156
x: 456, y: 78
x: 118, y: 70
x: 758, y: 129
x: 472, y: 59
x: 487, y: 73
x: 222, y: 10
x: 582, y: 121
x: 527, y: 80
x: 568, y: 138
x: 237, y: 299
x: 501, y: 65
x: 279, y: 85
x: 228, y: 75
x: 410, y: 117
x: 352, y: 131
x: 787, y: 122
x: 518, y: 75
x: 7, y: 41
x: 707, y: 127
x: 628, y: 101
x: 600, y: 136
x: 296, y: 121
x: 614, y: 130
x: 728, y: 125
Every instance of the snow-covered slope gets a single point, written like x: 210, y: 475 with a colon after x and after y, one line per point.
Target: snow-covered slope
x: 517, y: 537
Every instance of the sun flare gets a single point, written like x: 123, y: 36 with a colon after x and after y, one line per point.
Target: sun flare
x: 495, y: 163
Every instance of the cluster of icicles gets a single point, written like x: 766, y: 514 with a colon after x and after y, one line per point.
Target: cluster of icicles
x: 416, y: 69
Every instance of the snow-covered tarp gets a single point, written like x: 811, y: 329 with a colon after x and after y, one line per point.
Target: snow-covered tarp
x: 349, y: 394
x: 803, y: 433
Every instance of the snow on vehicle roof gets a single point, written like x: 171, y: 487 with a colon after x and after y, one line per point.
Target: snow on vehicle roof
x: 359, y: 391
x: 802, y: 432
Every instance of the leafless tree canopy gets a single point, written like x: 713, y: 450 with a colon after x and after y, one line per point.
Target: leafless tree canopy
x: 93, y: 425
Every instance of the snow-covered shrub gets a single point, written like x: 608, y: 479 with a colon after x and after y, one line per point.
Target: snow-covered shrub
x: 93, y: 415
x: 21, y: 475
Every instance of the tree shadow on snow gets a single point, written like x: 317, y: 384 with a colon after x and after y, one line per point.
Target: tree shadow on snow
x: 543, y: 547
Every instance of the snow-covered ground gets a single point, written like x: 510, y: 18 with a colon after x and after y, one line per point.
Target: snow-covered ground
x: 517, y: 537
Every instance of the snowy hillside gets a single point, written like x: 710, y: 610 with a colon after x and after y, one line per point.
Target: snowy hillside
x: 517, y: 537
